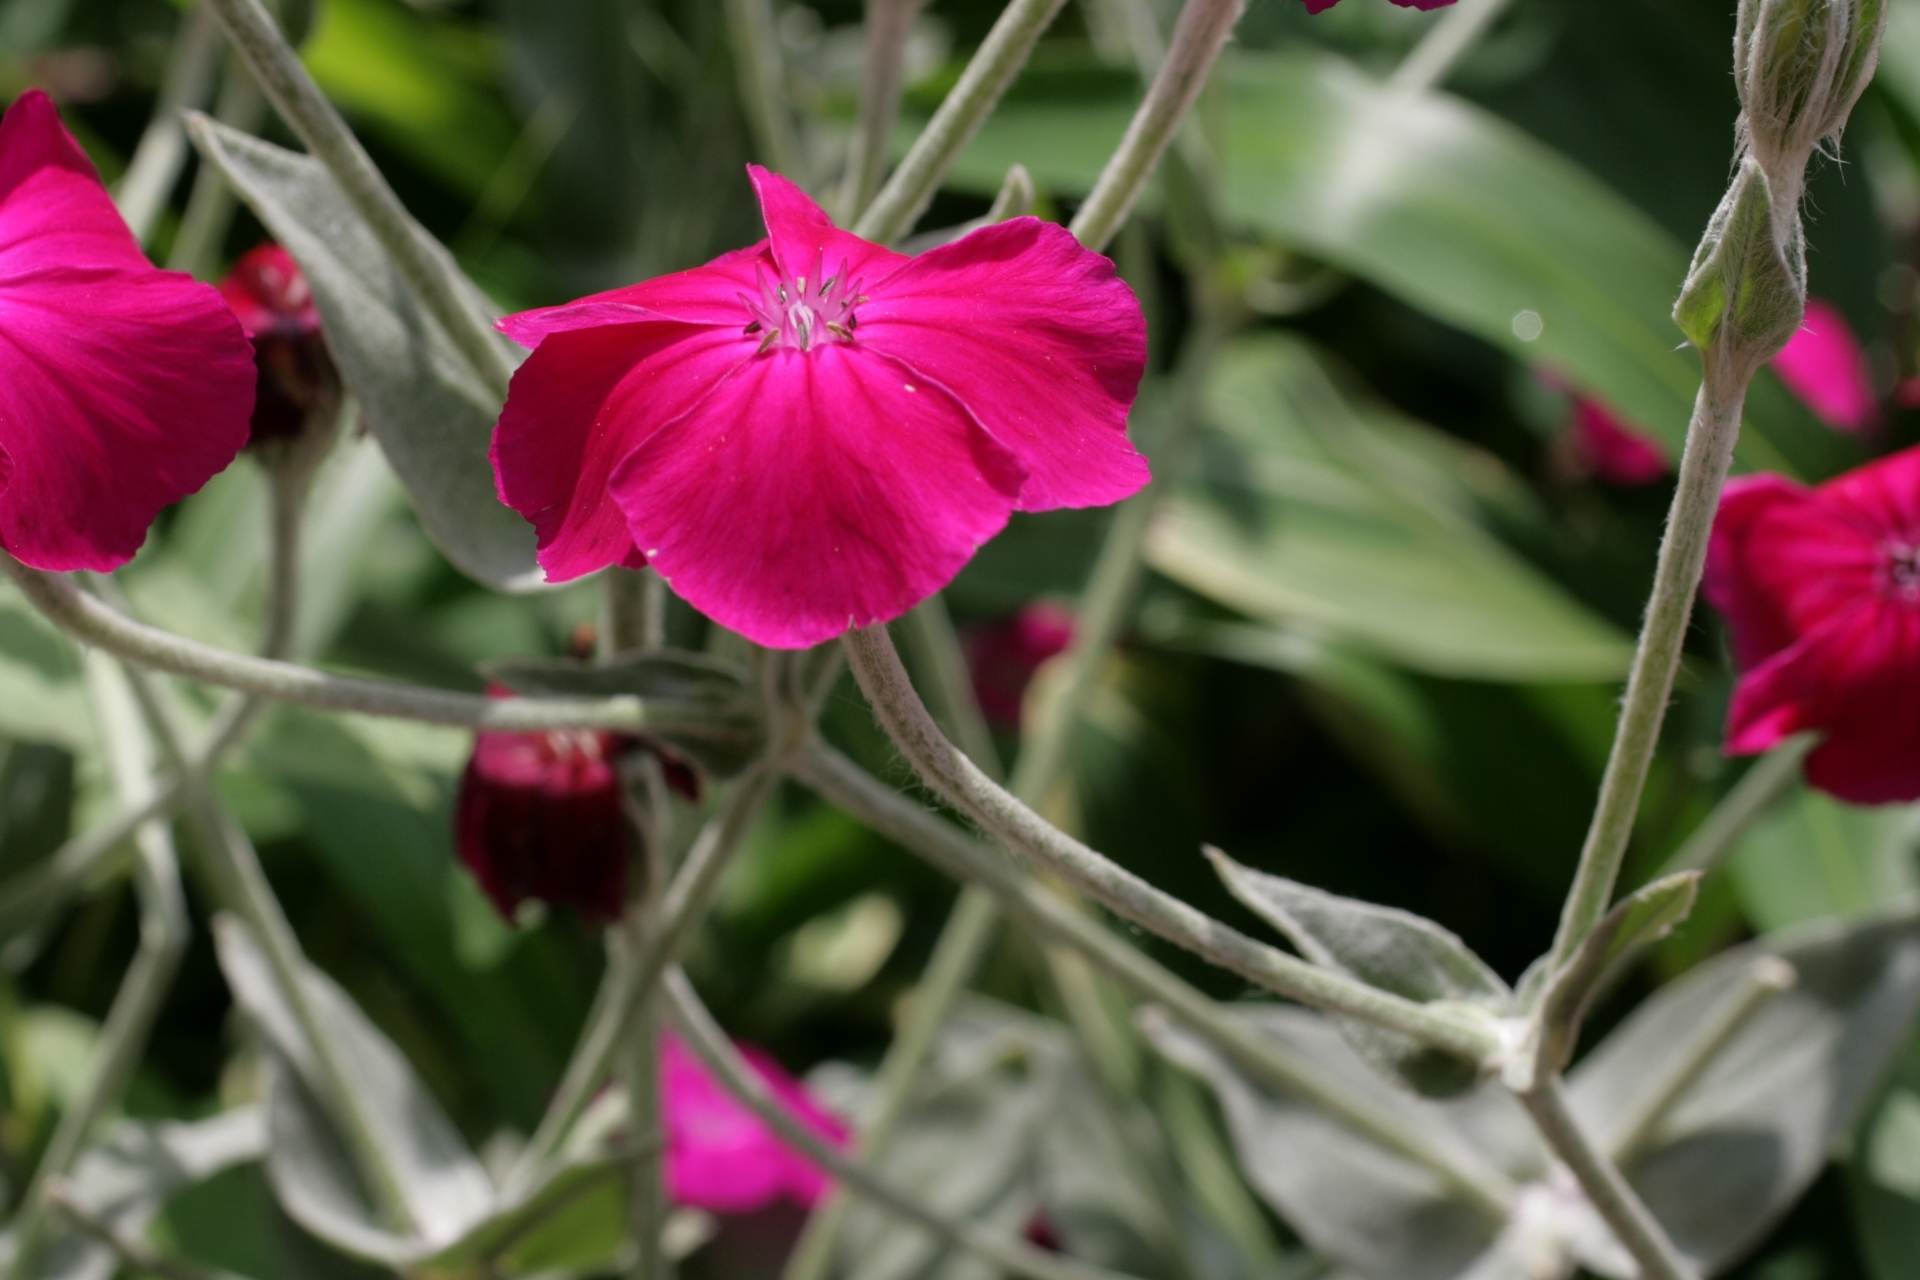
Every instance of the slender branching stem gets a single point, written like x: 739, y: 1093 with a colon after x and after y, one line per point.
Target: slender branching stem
x: 1445, y: 44
x: 1683, y: 553
x: 992, y: 68
x: 709, y: 1043
x: 947, y: 771
x: 164, y: 934
x: 162, y: 149
x: 1770, y: 778
x: 211, y: 204
x: 682, y: 908
x: 91, y: 622
x: 854, y: 791
x: 1198, y: 37
x: 426, y: 266
x: 889, y: 24
x: 761, y: 72
x: 1632, y: 1223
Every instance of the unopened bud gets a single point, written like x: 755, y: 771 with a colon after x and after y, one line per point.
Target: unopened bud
x: 298, y: 390
x: 1800, y: 65
x: 1747, y: 287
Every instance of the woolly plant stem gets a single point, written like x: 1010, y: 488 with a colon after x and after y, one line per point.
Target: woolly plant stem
x: 1198, y: 37
x: 992, y: 68
x: 859, y: 794
x: 426, y: 266
x: 1604, y: 1184
x: 92, y: 622
x: 1656, y: 659
x: 709, y: 1043
x: 957, y: 780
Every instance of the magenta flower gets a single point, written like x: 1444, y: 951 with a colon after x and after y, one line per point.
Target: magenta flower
x: 816, y: 432
x: 297, y: 381
x: 1821, y: 592
x: 1824, y: 365
x: 539, y: 816
x: 1003, y: 657
x: 122, y: 388
x: 1610, y: 450
x: 720, y: 1156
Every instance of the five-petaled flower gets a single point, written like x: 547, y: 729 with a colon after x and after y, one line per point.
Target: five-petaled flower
x: 123, y: 388
x: 539, y: 816
x: 1824, y: 365
x: 722, y: 1157
x: 297, y: 383
x: 1821, y: 592
x: 816, y: 432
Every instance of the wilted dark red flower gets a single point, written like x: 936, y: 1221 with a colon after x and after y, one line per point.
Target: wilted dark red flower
x: 269, y: 294
x: 1610, y: 450
x: 1821, y: 592
x: 539, y: 816
x: 123, y: 388
x: 1004, y: 655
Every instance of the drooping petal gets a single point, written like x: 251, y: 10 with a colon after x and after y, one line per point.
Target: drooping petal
x: 815, y: 491
x: 579, y: 404
x: 1853, y: 679
x: 1824, y: 365
x: 707, y: 294
x: 122, y: 388
x: 803, y: 237
x: 1040, y: 338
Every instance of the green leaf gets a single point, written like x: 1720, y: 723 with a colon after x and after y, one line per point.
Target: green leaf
x: 1319, y: 509
x: 1813, y: 858
x: 1384, y: 947
x: 430, y: 412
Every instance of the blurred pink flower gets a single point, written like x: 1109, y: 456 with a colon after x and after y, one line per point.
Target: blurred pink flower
x: 123, y: 388
x: 269, y: 294
x: 1004, y: 655
x: 1610, y: 450
x: 816, y: 432
x: 723, y: 1158
x: 1821, y: 592
x: 1824, y: 365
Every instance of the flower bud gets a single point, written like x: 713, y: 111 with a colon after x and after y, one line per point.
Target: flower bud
x: 1748, y: 283
x: 540, y: 816
x: 298, y: 384
x: 1800, y: 65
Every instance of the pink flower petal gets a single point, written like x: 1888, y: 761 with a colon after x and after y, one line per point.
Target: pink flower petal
x: 804, y: 238
x: 1040, y: 339
x: 122, y: 388
x: 1613, y: 451
x: 813, y: 491
x: 702, y: 295
x: 1824, y: 365
x: 723, y: 1158
x: 579, y: 404
x: 1853, y: 678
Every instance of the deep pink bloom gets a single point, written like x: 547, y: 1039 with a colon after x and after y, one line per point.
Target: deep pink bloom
x: 539, y: 816
x: 1821, y: 592
x: 816, y: 432
x: 1004, y: 655
x: 1610, y: 450
x: 122, y: 388
x: 723, y: 1158
x: 1824, y: 365
x: 269, y: 294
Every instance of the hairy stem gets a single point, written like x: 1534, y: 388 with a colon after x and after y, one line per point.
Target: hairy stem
x: 1683, y: 554
x: 1198, y: 38
x: 1606, y: 1188
x: 854, y: 791
x: 954, y: 778
x: 427, y: 267
x: 710, y: 1044
x: 993, y: 67
x: 92, y: 622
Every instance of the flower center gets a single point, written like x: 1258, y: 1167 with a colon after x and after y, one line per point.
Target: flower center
x: 1903, y: 570
x: 802, y: 311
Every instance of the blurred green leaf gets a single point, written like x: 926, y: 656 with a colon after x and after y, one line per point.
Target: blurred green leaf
x: 428, y: 409
x: 1311, y: 509
x: 1812, y: 857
